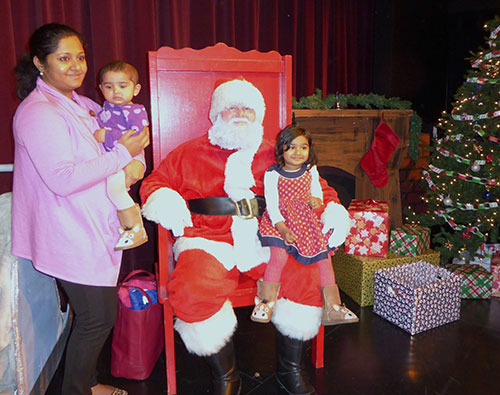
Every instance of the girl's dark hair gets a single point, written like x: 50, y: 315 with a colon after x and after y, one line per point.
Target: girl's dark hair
x: 285, y: 138
x: 43, y: 42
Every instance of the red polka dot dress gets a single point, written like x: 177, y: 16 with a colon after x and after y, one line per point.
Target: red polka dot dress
x: 287, y: 201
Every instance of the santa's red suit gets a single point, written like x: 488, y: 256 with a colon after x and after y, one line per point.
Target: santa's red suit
x: 211, y: 251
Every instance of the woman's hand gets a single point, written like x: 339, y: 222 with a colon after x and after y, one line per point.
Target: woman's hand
x: 314, y: 202
x: 288, y: 236
x: 134, y: 172
x: 135, y: 144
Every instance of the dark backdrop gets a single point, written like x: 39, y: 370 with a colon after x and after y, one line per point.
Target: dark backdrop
x: 413, y: 50
x: 330, y: 40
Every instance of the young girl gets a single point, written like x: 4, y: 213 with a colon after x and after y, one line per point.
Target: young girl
x: 290, y: 226
x: 119, y: 83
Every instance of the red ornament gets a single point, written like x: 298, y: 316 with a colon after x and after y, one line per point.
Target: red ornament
x: 466, y: 235
x: 489, y: 158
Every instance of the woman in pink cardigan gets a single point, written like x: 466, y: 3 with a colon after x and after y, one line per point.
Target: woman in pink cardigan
x: 62, y: 220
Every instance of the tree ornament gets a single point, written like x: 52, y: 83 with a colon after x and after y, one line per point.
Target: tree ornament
x: 447, y: 201
x: 478, y: 148
x: 448, y: 245
x: 475, y: 167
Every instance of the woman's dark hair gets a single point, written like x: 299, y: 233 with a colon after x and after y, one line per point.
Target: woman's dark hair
x: 285, y: 138
x: 43, y: 42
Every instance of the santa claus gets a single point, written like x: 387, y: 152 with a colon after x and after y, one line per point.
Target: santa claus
x: 208, y: 192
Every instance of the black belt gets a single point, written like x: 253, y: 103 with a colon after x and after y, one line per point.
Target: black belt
x: 244, y: 208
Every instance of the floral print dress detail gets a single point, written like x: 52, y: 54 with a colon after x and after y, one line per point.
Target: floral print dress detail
x: 294, y: 190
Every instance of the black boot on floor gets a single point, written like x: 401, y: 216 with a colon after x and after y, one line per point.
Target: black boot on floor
x: 226, y: 377
x: 289, y: 373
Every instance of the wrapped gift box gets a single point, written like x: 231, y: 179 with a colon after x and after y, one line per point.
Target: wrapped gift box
x: 369, y: 234
x: 417, y: 296
x: 410, y: 240
x: 477, y: 282
x: 495, y: 272
x: 354, y: 274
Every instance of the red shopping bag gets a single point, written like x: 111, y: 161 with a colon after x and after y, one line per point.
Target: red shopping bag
x: 138, y: 333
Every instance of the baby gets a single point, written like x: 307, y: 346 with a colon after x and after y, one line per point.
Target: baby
x: 119, y: 83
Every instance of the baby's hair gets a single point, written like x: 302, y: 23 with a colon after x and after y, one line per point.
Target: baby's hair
x: 120, y: 65
x: 285, y: 138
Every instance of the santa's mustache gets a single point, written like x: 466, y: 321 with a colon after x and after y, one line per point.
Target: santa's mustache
x: 240, y: 120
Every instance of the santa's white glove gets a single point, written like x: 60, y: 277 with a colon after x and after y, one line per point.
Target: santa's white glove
x: 169, y: 209
x: 336, y: 217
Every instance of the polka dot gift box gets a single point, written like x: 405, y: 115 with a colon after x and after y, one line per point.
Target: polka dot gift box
x: 418, y: 296
x: 369, y: 234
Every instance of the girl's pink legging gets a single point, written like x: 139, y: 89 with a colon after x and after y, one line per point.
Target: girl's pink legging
x: 278, y: 260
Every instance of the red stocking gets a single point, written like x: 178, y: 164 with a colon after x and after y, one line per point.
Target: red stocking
x: 375, y: 161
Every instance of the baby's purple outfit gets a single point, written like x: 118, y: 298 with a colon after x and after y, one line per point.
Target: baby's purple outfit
x: 117, y: 119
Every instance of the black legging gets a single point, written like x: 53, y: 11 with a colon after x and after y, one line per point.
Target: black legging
x: 95, y: 314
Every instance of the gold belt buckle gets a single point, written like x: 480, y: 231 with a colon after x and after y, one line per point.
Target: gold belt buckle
x: 246, y: 206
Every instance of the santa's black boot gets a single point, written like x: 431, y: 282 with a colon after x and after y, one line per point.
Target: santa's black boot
x: 226, y: 378
x: 289, y: 373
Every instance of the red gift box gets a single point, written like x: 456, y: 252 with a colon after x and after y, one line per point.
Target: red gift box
x: 369, y: 234
x: 495, y: 270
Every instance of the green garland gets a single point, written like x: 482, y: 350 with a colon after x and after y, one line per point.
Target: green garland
x: 369, y: 101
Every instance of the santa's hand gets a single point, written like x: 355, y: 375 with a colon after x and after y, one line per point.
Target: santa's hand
x: 337, y: 218
x: 167, y: 208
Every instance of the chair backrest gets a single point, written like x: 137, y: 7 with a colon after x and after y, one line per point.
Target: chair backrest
x: 182, y: 82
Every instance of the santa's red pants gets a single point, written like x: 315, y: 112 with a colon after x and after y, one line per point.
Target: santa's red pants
x: 200, y: 285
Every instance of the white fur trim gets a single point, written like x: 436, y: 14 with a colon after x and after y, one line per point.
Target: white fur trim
x: 237, y: 92
x: 242, y: 254
x: 238, y: 174
x: 209, y: 336
x: 221, y: 251
x: 336, y: 217
x: 248, y: 250
x: 295, y: 320
x: 168, y: 208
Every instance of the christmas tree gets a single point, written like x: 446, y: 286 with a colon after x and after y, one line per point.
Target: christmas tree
x: 464, y: 171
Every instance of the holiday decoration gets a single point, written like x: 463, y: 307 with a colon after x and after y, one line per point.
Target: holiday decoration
x: 409, y: 240
x: 369, y: 234
x: 375, y: 161
x: 477, y: 282
x: 495, y: 272
x: 367, y: 101
x: 463, y: 176
x: 354, y: 274
x: 483, y: 257
x: 417, y: 297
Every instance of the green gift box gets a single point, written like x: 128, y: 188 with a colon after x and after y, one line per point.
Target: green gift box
x: 355, y: 273
x: 477, y: 282
x: 410, y: 240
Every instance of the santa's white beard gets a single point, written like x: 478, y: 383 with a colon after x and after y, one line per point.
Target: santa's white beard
x: 230, y: 135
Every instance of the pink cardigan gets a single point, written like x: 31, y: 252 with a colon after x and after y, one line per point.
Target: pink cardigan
x: 62, y: 219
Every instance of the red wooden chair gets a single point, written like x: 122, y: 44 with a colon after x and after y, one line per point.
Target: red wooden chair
x: 182, y: 82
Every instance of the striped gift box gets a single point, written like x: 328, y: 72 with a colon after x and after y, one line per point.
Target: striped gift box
x: 477, y: 282
x: 409, y: 240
